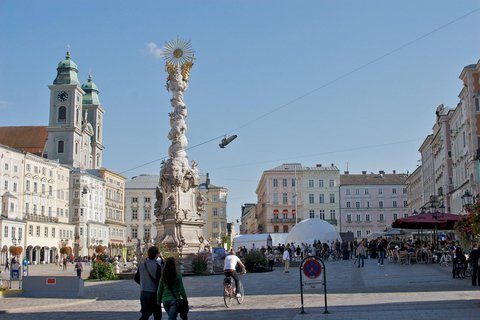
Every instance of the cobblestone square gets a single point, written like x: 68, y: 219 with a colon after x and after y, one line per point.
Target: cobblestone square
x: 416, y: 291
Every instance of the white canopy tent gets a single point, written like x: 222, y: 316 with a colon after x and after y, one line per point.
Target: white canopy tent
x: 247, y: 240
x: 309, y: 230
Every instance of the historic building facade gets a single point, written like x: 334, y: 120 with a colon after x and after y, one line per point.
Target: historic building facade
x: 290, y: 188
x: 12, y: 226
x: 139, y: 211
x: 371, y: 202
x: 215, y: 216
x: 320, y: 187
x: 63, y: 197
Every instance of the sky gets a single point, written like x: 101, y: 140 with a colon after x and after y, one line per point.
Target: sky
x: 353, y: 83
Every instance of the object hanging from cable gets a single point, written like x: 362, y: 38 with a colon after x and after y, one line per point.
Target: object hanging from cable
x: 226, y: 141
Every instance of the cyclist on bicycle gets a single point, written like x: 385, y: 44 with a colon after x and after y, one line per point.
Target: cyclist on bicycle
x: 229, y: 267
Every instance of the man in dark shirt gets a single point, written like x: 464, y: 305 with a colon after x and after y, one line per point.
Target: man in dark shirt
x: 474, y: 256
x: 150, y: 274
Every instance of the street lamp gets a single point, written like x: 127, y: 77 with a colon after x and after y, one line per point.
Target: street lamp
x: 437, y: 213
x: 466, y: 200
x: 415, y: 212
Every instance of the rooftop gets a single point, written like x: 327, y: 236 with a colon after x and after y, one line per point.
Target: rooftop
x: 143, y: 182
x: 373, y: 179
x: 32, y: 139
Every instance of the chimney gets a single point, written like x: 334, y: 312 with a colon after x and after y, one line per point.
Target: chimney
x: 364, y: 172
x: 394, y: 171
x: 208, y: 180
x: 319, y: 165
x: 333, y: 165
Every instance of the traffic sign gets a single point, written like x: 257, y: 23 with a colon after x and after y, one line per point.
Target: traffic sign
x: 312, y: 268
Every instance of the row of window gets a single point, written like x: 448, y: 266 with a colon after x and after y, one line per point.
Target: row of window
x: 37, y: 170
x: 14, y: 234
x: 215, y: 198
x: 97, y: 216
x: 115, y: 214
x: 358, y: 217
x: 15, y: 186
x: 285, y: 214
x: 380, y: 204
x: 146, y: 214
x: 146, y: 233
x: 60, y: 211
x: 35, y: 187
x: 117, y: 232
x: 321, y: 198
x: 321, y: 183
x: 321, y: 214
x: 379, y: 191
x: 284, y: 182
x: 284, y: 198
x: 145, y: 200
x: 215, y: 225
x: 276, y: 229
x: 15, y: 168
x: 215, y: 212
x: 62, y: 232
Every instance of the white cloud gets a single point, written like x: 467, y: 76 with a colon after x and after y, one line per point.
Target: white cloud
x: 154, y: 50
x: 4, y: 104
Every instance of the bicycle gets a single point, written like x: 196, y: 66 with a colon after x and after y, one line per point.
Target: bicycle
x: 229, y: 292
x: 446, y: 259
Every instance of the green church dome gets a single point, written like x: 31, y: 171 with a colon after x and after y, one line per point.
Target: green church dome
x: 67, y: 72
x: 89, y: 85
x: 91, y: 92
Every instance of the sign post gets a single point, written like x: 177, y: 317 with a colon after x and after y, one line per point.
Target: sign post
x: 311, y: 270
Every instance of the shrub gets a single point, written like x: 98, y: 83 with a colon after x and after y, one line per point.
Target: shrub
x: 254, y: 258
x: 199, y: 265
x: 102, y: 271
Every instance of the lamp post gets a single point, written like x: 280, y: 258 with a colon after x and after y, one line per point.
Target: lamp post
x: 296, y: 197
x: 437, y: 212
x: 466, y: 200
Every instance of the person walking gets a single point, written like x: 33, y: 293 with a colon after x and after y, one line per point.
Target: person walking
x: 361, y: 252
x: 286, y: 260
x: 171, y: 289
x: 7, y: 265
x: 150, y: 274
x: 380, y: 251
x: 474, y: 256
x: 271, y: 260
x: 79, y: 268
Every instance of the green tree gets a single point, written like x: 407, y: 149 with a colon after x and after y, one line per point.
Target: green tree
x: 226, y: 241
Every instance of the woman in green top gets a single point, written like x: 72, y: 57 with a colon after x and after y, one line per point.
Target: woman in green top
x: 170, y: 289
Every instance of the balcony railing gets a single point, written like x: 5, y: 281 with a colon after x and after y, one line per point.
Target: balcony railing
x: 332, y: 221
x: 36, y: 217
x: 284, y: 220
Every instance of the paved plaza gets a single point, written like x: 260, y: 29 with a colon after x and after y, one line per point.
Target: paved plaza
x: 394, y: 291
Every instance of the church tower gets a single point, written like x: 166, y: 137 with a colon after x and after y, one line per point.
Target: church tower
x: 67, y: 128
x: 91, y: 105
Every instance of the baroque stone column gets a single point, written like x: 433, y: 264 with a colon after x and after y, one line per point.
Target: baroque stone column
x: 180, y: 206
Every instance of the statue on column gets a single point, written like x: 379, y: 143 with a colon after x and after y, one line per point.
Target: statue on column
x: 179, y: 207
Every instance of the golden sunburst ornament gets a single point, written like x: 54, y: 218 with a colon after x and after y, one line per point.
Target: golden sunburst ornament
x: 178, y: 51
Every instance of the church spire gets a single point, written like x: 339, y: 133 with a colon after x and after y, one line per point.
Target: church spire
x: 91, y: 92
x: 67, y: 71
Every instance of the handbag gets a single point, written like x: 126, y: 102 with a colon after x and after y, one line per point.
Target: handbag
x: 182, y: 305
